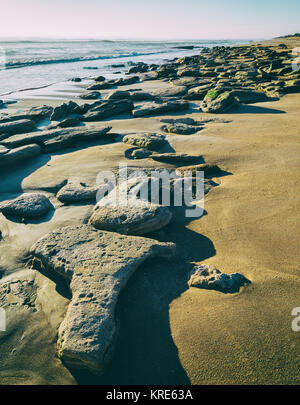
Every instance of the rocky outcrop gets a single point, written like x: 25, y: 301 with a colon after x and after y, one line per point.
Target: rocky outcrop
x: 64, y: 110
x: 147, y: 141
x: 56, y: 139
x: 27, y: 205
x: 210, y: 278
x: 76, y: 191
x: 155, y: 108
x: 9, y: 157
x: 98, y: 265
x: 16, y: 127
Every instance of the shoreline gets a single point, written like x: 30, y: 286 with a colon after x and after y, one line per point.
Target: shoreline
x: 181, y: 335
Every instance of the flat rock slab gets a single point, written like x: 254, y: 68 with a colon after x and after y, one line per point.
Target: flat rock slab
x: 156, y: 108
x: 10, y: 157
x: 108, y: 109
x: 27, y: 205
x: 210, y: 278
x: 172, y: 91
x: 77, y: 191
x: 147, y: 140
x: 98, y: 264
x: 16, y: 127
x: 55, y: 139
x: 34, y: 113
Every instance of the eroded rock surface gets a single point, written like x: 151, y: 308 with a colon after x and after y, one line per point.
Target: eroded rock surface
x: 76, y: 191
x: 210, y: 278
x: 98, y: 265
x: 9, y: 157
x: 27, y: 205
x: 147, y: 140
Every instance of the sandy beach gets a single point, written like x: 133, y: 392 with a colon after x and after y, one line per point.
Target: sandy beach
x: 169, y: 332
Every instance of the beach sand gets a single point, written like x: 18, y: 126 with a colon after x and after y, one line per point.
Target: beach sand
x: 170, y: 333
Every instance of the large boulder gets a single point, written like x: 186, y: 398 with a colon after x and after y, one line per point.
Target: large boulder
x: 146, y: 140
x: 27, y: 205
x: 9, y: 157
x: 162, y: 108
x: 218, y: 101
x: 16, y: 127
x: 98, y: 265
x: 210, y: 278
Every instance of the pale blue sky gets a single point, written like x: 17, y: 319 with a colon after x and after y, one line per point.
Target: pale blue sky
x: 151, y: 19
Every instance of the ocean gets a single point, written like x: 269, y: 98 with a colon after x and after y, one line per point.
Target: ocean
x: 43, y: 68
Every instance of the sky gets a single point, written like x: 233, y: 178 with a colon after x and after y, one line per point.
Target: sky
x: 149, y: 19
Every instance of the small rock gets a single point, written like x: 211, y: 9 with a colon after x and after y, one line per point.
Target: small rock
x: 155, y: 108
x: 117, y: 95
x: 9, y: 157
x: 147, y: 140
x: 64, y: 110
x: 77, y: 191
x: 210, y: 278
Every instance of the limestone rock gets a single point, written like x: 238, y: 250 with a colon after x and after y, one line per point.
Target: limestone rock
x: 140, y: 153
x: 76, y: 191
x: 172, y: 91
x: 34, y: 113
x: 218, y: 101
x: 9, y: 157
x: 155, y: 108
x: 90, y: 95
x: 147, y: 140
x: 64, y: 110
x: 27, y: 205
x: 181, y: 129
x: 98, y: 264
x: 117, y: 95
x: 107, y: 109
x: 210, y: 278
x: 55, y: 139
x: 16, y: 127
